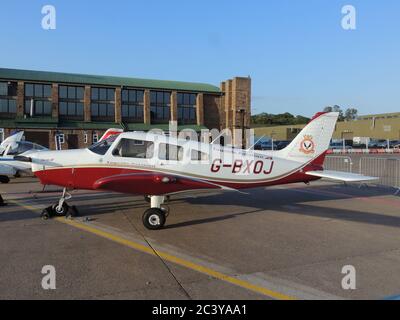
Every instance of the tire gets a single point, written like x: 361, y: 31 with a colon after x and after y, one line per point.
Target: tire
x: 45, y: 214
x: 4, y: 179
x: 62, y: 212
x: 154, y: 219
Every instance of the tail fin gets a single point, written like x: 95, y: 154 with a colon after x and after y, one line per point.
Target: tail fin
x: 313, y: 140
x: 111, y: 132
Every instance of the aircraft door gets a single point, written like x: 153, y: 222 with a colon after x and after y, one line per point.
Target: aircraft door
x: 132, y: 153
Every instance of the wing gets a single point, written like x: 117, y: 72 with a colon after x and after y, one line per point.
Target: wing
x: 7, y: 170
x: 153, y: 184
x: 341, y: 176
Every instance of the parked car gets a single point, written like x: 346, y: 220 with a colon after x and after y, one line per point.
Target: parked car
x: 378, y: 144
x: 339, y: 146
x: 282, y: 144
x: 394, y: 144
x: 265, y: 145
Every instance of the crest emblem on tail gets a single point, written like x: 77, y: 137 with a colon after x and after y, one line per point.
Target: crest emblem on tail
x: 307, y: 145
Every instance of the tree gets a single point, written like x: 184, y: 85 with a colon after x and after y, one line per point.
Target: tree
x: 335, y: 108
x: 351, y: 114
x: 278, y: 119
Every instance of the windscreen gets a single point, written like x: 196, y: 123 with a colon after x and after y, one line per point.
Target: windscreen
x: 20, y: 147
x: 102, y: 147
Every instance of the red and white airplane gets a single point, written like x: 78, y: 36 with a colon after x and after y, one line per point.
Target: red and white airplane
x: 158, y: 166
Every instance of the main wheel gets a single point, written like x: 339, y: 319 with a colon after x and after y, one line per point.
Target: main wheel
x: 61, y: 211
x: 4, y: 179
x: 154, y: 218
x: 46, y: 214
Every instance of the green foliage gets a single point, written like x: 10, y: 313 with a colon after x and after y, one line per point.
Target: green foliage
x: 285, y: 119
x: 278, y: 119
x: 349, y: 114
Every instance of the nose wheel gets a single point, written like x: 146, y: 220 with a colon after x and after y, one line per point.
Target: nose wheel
x: 155, y: 217
x: 4, y: 179
x: 61, y: 208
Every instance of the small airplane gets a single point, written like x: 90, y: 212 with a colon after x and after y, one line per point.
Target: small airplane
x: 158, y: 166
x: 13, y: 146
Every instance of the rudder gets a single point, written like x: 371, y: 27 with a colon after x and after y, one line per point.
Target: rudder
x: 313, y: 140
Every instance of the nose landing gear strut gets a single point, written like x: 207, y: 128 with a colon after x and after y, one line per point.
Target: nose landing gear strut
x: 61, y: 208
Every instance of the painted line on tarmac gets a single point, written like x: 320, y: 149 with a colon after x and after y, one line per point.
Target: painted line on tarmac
x: 165, y: 255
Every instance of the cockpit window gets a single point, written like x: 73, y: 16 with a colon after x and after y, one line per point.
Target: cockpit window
x: 168, y: 151
x: 24, y: 146
x: 129, y: 148
x: 198, y: 155
x: 102, y: 147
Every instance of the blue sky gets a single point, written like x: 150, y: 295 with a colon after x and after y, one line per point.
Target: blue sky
x: 298, y: 55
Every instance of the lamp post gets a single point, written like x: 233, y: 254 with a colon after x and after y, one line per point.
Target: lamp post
x: 242, y: 113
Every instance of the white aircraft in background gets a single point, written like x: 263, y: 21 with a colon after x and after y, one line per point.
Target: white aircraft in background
x: 157, y: 166
x: 14, y: 146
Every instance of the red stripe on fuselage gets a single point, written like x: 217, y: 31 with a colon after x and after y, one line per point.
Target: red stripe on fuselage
x: 87, y: 178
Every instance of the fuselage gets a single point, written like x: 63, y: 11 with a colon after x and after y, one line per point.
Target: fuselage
x: 134, y: 156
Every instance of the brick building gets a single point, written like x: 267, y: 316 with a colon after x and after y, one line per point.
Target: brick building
x: 79, y: 108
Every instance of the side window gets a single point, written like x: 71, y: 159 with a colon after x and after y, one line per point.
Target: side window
x: 196, y: 155
x: 170, y: 152
x: 129, y: 148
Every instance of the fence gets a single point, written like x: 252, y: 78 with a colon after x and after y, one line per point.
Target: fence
x: 386, y: 169
x: 344, y: 164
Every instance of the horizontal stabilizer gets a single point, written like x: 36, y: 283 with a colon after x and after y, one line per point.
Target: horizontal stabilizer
x: 341, y: 176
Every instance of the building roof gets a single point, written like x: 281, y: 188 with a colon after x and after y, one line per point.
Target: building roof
x: 44, y: 76
x: 380, y: 115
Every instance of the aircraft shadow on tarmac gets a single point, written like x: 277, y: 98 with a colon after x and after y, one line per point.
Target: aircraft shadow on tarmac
x: 293, y: 200
x: 297, y: 201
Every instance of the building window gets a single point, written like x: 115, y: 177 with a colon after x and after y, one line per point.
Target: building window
x: 8, y: 99
x: 61, y: 138
x: 103, y: 102
x: 132, y: 105
x: 37, y: 99
x: 187, y: 108
x: 95, y: 138
x: 160, y: 104
x: 71, y: 101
